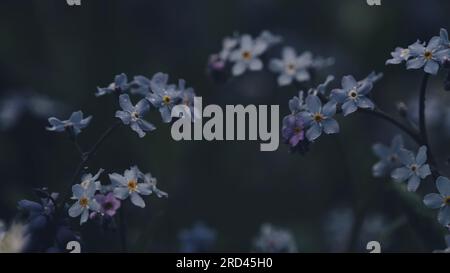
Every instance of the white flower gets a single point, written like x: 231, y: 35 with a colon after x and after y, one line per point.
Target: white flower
x: 14, y: 239
x: 291, y: 66
x: 246, y: 56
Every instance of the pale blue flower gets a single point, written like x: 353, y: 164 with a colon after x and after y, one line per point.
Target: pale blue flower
x: 198, y: 239
x: 85, y: 201
x: 133, y: 115
x: 388, y: 155
x: 119, y: 85
x: 430, y: 57
x: 151, y: 183
x: 353, y: 95
x: 165, y: 96
x: 291, y: 66
x: 73, y: 125
x: 440, y: 200
x: 444, y: 38
x: 274, y: 240
x: 246, y: 56
x: 400, y: 55
x: 88, y: 179
x: 414, y: 168
x: 319, y: 119
x: 128, y: 185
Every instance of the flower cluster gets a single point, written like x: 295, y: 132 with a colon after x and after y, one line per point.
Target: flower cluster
x: 198, y: 238
x: 93, y: 199
x: 242, y: 52
x: 292, y: 67
x: 314, y: 114
x: 419, y: 55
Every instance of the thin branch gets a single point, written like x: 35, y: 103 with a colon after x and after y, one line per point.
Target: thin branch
x: 89, y: 155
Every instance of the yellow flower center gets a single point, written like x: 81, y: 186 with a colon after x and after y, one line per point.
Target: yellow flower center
x: 132, y: 185
x: 318, y: 117
x: 428, y: 55
x: 447, y: 200
x: 246, y: 55
x: 166, y: 99
x: 297, y: 130
x: 84, y: 202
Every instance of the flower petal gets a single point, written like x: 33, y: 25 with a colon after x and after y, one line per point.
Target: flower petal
x: 433, y: 200
x: 443, y: 185
x: 413, y: 183
x: 137, y: 200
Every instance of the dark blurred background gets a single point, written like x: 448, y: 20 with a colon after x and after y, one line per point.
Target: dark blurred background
x: 325, y: 198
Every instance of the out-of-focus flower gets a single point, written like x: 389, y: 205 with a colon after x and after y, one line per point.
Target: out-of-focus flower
x: 133, y: 115
x: 440, y: 200
x: 414, y: 168
x: 274, y: 240
x: 198, y: 239
x: 319, y: 119
x: 246, y: 56
x: 399, y: 56
x: 73, y: 125
x: 128, y: 185
x: 88, y: 179
x: 388, y: 155
x: 293, y: 130
x: 48, y: 231
x: 14, y: 239
x: 120, y: 85
x: 430, y: 56
x: 109, y: 205
x: 15, y: 106
x: 151, y: 183
x: 165, y: 96
x: 85, y: 202
x: 353, y: 95
x: 291, y: 66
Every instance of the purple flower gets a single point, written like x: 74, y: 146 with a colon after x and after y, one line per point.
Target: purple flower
x: 109, y: 204
x: 293, y: 130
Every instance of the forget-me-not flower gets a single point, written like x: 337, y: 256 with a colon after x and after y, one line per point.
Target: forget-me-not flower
x: 292, y: 67
x: 388, y: 155
x: 246, y: 56
x: 197, y: 239
x: 164, y: 96
x: 74, y: 124
x: 293, y: 129
x: 88, y: 178
x: 151, y: 183
x: 274, y: 240
x: 414, y: 168
x: 119, y: 85
x: 85, y: 201
x: 109, y: 205
x: 399, y: 56
x: 128, y: 185
x: 430, y: 56
x: 133, y: 115
x: 319, y: 118
x: 440, y: 200
x: 353, y: 95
